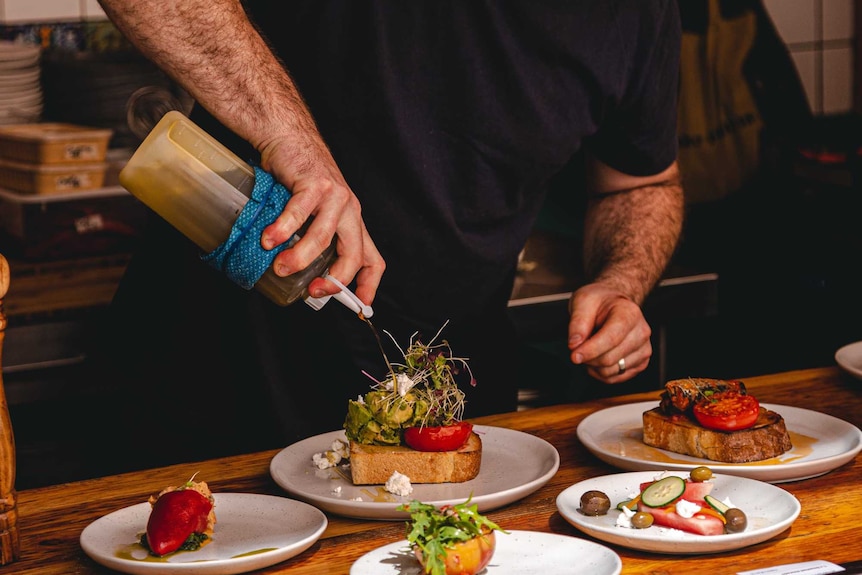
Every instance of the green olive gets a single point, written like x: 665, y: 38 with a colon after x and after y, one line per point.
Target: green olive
x: 702, y: 473
x: 641, y: 520
x: 736, y: 520
x: 595, y: 503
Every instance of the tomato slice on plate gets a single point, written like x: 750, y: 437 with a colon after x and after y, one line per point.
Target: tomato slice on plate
x: 444, y: 438
x: 727, y: 411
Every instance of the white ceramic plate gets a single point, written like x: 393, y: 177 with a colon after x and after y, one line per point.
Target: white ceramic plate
x: 769, y: 509
x: 518, y: 553
x: 821, y: 443
x: 252, y: 532
x: 849, y: 358
x: 514, y: 464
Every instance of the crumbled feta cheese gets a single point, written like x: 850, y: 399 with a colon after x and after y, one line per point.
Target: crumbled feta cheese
x: 326, y: 459
x: 356, y: 499
x: 399, y: 484
x: 333, y: 456
x: 404, y: 382
x: 337, y: 490
x: 340, y: 448
x: 624, y: 519
x: 686, y: 508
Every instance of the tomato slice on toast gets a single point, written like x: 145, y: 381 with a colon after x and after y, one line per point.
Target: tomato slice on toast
x: 727, y: 411
x: 445, y: 438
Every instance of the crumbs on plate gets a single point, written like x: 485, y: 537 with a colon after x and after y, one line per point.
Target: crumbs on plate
x: 336, y: 453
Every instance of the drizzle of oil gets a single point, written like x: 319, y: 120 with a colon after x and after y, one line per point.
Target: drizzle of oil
x: 341, y: 471
x: 255, y: 552
x: 379, y: 495
x: 379, y: 343
x: 137, y: 552
x: 630, y: 444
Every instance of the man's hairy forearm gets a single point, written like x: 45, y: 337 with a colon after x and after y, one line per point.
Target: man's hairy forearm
x: 215, y: 53
x: 630, y: 236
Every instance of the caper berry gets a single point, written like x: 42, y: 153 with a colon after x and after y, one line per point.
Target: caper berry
x: 595, y: 503
x: 641, y: 520
x: 736, y: 520
x: 701, y: 473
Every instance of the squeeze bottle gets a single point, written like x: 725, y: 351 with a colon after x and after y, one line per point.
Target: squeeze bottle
x: 200, y: 187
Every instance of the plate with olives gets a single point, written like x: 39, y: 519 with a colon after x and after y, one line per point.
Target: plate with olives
x: 678, y: 512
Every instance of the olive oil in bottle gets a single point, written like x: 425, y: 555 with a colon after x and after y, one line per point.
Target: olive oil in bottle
x: 200, y: 187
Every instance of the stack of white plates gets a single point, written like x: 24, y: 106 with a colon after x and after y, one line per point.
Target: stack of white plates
x: 20, y: 86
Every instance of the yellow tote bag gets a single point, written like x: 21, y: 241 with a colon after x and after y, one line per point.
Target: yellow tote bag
x: 719, y: 123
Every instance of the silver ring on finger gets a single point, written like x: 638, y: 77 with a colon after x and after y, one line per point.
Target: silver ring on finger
x: 622, y: 365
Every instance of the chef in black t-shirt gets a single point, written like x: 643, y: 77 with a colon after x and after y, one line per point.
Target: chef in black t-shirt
x: 423, y: 134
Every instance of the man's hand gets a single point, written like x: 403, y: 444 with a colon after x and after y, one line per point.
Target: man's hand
x: 319, y: 190
x: 211, y: 49
x: 604, y: 328
x: 632, y: 225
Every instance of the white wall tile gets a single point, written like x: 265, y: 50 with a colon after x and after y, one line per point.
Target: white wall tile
x: 794, y: 19
x: 92, y: 10
x: 806, y: 65
x: 25, y: 11
x: 837, y: 81
x: 838, y: 19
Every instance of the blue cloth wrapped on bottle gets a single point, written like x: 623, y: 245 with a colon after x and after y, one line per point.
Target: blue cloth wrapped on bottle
x: 241, y: 257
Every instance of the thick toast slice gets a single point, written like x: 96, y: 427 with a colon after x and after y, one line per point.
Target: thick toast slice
x: 680, y: 434
x: 374, y: 464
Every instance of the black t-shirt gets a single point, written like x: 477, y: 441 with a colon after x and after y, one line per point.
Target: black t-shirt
x: 447, y: 118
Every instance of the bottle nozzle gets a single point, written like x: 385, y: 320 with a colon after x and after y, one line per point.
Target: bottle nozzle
x: 345, y: 296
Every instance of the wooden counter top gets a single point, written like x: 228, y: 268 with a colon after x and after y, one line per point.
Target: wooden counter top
x: 51, y: 518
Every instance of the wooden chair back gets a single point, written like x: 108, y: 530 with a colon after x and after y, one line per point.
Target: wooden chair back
x: 10, y: 546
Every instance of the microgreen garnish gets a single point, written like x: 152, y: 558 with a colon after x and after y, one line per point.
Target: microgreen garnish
x: 429, y: 372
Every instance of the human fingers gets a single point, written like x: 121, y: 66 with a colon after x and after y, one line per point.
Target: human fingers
x: 604, y: 328
x: 317, y: 211
x: 319, y: 199
x: 367, y: 277
x: 589, y: 309
x: 623, y: 362
x: 322, y: 198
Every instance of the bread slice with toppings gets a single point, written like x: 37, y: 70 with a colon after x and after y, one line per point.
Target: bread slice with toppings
x: 375, y: 464
x: 672, y: 426
x: 679, y: 433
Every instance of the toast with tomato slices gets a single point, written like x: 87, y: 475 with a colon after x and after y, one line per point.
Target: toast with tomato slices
x: 375, y: 464
x: 672, y: 425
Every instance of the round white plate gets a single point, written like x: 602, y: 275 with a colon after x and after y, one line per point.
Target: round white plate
x: 252, y: 532
x: 849, y: 358
x: 820, y: 444
x: 769, y: 509
x: 514, y: 464
x: 518, y: 553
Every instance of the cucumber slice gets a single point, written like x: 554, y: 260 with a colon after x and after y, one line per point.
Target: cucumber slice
x: 716, y: 504
x: 664, y: 491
